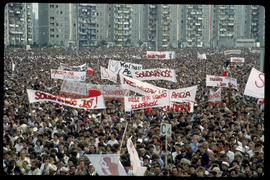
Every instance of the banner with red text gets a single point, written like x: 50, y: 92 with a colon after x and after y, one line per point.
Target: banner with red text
x: 143, y: 102
x: 87, y: 103
x: 68, y: 75
x: 67, y: 67
x: 107, y: 164
x: 220, y: 81
x: 140, y: 87
x: 183, y: 94
x: 115, y: 91
x: 255, y: 84
x: 137, y: 169
x: 124, y: 68
x: 108, y: 74
x: 214, y: 96
x: 154, y: 74
x: 237, y: 59
x: 186, y: 106
x: 160, y: 54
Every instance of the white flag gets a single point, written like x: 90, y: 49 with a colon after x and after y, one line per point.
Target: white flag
x: 138, y: 170
x: 107, y: 164
x: 13, y: 66
x: 108, y: 74
x: 255, y: 84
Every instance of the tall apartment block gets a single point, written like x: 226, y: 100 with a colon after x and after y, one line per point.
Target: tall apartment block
x: 57, y: 24
x: 18, y: 28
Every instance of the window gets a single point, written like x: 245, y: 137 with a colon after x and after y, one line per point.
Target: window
x: 74, y: 24
x: 51, y: 35
x: 57, y: 36
x: 56, y: 6
x: 61, y: 12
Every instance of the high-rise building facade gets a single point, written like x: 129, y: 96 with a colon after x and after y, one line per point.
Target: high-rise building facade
x: 18, y: 27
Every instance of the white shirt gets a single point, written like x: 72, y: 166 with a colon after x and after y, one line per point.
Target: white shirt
x: 174, y: 154
x: 112, y: 142
x: 37, y: 171
x: 229, y: 154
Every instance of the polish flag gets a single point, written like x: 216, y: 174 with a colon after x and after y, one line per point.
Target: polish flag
x: 90, y: 71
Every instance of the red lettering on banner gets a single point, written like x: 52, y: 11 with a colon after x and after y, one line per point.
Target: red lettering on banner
x: 144, y: 104
x: 87, y: 103
x: 262, y: 85
x: 223, y: 84
x: 133, y: 99
x: 216, y: 79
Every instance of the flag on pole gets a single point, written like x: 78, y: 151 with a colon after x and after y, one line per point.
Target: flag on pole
x: 137, y: 169
x: 13, y: 66
x: 90, y: 71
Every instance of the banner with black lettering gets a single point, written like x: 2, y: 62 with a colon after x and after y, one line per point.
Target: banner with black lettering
x: 86, y: 103
x: 154, y: 74
x: 121, y: 67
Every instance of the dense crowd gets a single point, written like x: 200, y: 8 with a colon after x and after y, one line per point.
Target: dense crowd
x: 51, y: 139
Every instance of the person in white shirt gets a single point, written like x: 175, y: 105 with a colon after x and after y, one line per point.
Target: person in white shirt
x: 34, y: 169
x: 177, y: 151
x: 227, y: 151
x: 112, y: 141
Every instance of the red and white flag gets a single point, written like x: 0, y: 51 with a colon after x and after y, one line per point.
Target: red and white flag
x: 90, y: 71
x: 137, y: 169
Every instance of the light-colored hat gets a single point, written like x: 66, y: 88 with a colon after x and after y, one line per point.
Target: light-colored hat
x: 225, y: 163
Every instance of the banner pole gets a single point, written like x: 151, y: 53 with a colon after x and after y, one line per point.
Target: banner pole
x: 166, y: 151
x: 123, y: 138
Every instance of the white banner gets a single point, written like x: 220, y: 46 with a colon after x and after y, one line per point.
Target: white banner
x: 154, y: 74
x: 123, y: 67
x: 68, y: 75
x: 140, y: 87
x: 220, y: 81
x: 86, y: 103
x: 66, y: 67
x: 255, y: 84
x: 74, y: 87
x: 137, y: 169
x: 214, y: 96
x: 237, y: 59
x: 234, y: 51
x: 143, y: 102
x: 107, y: 164
x: 201, y: 56
x: 183, y: 95
x: 108, y: 74
x: 109, y: 90
x: 160, y: 54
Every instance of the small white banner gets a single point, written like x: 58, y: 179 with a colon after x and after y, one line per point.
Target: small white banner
x: 237, y: 59
x: 255, y: 84
x: 160, y: 54
x: 67, y: 67
x: 68, y: 75
x: 183, y: 94
x: 214, y: 96
x: 220, y: 81
x: 124, y: 68
x: 165, y: 129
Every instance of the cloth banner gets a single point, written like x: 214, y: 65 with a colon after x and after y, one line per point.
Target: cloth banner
x: 137, y: 169
x: 86, y: 103
x: 234, y: 51
x: 13, y: 66
x: 68, y: 75
x: 255, y: 84
x: 183, y: 94
x: 237, y: 59
x: 214, y: 96
x: 109, y: 91
x: 154, y: 74
x: 66, y: 67
x: 201, y: 56
x: 90, y: 71
x: 107, y: 164
x: 160, y: 54
x: 140, y: 87
x: 124, y: 68
x: 108, y: 74
x: 143, y: 102
x: 220, y: 81
x: 74, y: 87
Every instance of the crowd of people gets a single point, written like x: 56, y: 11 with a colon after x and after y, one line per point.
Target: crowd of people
x: 52, y: 139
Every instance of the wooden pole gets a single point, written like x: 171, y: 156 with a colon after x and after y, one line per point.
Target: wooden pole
x: 166, y: 152
x: 123, y: 138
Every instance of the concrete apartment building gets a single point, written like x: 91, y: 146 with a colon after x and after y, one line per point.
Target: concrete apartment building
x: 173, y: 25
x: 18, y: 27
